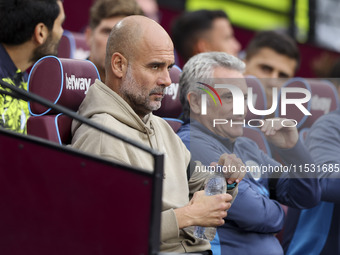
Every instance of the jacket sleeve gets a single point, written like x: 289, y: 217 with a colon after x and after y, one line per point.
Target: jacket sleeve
x: 169, y: 225
x: 197, y: 178
x: 295, y: 188
x: 255, y: 212
x: 250, y: 211
x: 323, y: 142
x: 330, y: 189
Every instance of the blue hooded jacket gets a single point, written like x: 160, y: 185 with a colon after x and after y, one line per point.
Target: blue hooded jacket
x: 254, y: 218
x: 317, y: 230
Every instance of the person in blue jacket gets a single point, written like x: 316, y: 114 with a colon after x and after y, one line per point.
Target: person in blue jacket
x: 317, y: 230
x: 254, y: 217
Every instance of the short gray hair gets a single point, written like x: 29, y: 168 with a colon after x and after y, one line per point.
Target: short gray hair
x: 201, y: 67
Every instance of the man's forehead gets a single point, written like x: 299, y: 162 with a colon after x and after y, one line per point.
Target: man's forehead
x: 269, y: 57
x: 61, y: 10
x: 234, y: 82
x: 241, y: 83
x: 157, y: 43
x: 221, y: 21
x: 110, y: 22
x: 168, y: 62
x: 157, y: 50
x: 223, y: 72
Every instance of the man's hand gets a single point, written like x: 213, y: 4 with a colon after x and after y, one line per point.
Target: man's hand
x: 205, y: 211
x: 233, y: 169
x: 282, y: 137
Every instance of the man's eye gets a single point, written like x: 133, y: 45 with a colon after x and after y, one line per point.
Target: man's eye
x: 266, y: 68
x: 106, y: 31
x: 155, y: 67
x: 227, y: 97
x: 283, y: 75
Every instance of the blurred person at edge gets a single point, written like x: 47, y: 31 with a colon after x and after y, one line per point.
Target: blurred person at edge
x: 30, y: 30
x: 317, y: 230
x: 272, y: 54
x: 203, y: 31
x: 104, y: 14
x: 150, y: 9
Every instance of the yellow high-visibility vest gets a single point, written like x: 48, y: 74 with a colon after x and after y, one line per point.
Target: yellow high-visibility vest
x: 259, y: 14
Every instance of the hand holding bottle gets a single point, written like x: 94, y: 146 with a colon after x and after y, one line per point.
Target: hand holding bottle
x: 215, y: 185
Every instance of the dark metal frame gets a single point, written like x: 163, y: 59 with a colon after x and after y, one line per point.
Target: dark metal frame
x: 155, y: 217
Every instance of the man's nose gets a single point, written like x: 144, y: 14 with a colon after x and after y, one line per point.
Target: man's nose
x: 165, y: 79
x: 237, y: 46
x: 274, y: 74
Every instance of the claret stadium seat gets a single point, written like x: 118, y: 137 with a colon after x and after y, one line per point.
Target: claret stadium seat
x: 171, y: 108
x: 323, y: 100
x: 257, y: 136
x: 259, y: 103
x: 73, y: 45
x: 259, y: 97
x: 64, y: 82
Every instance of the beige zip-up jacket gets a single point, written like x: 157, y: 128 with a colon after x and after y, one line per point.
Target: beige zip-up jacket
x: 107, y: 108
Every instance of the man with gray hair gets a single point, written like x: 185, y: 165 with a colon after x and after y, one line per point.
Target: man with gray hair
x: 254, y: 217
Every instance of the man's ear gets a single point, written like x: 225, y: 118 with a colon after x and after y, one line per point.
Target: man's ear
x: 202, y: 45
x: 194, y: 100
x: 118, y: 64
x: 40, y: 33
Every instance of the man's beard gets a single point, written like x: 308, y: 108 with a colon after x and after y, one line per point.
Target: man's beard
x: 140, y: 102
x: 49, y: 47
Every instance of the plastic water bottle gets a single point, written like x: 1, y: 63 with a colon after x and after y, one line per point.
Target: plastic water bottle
x: 215, y: 185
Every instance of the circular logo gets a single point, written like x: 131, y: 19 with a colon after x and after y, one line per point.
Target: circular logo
x: 253, y: 168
